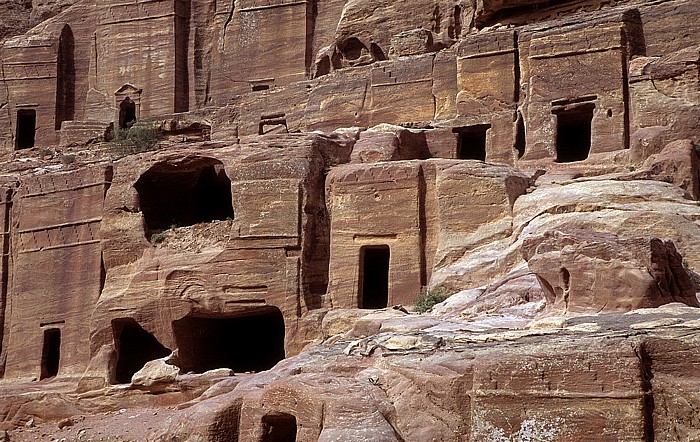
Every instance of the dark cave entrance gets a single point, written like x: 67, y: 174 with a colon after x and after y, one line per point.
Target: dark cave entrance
x: 127, y: 113
x: 374, y: 277
x: 352, y: 48
x: 26, y: 128
x: 574, y: 133
x: 250, y: 343
x: 50, y: 353
x: 135, y: 346
x: 279, y: 427
x: 184, y: 194
x: 471, y: 144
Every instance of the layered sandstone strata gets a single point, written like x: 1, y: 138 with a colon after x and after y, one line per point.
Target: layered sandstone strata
x: 320, y: 164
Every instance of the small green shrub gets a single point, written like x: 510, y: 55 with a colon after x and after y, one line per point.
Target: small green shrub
x: 158, y: 237
x: 137, y: 137
x: 428, y: 298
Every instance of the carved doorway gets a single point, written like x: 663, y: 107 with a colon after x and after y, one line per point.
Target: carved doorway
x: 374, y: 277
x: 127, y: 113
x: 51, y: 353
x: 26, y: 128
x: 128, y: 105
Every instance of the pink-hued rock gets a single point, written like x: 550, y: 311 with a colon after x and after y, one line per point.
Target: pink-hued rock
x: 678, y: 163
x: 583, y: 271
x: 219, y: 218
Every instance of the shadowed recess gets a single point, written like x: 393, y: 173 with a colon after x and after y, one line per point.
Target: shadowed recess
x: 374, y: 268
x: 127, y: 113
x: 184, y: 194
x: 65, y: 78
x: 574, y: 134
x: 51, y: 353
x: 135, y: 346
x: 279, y: 427
x: 250, y: 343
x: 26, y: 128
x: 472, y: 142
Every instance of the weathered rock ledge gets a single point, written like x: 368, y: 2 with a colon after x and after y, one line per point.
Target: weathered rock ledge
x: 613, y: 376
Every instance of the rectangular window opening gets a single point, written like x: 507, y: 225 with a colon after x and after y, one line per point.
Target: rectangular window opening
x: 471, y: 142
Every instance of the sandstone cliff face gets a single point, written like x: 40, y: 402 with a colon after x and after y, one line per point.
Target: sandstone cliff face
x: 649, y: 268
x: 16, y: 17
x: 253, y: 271
x: 607, y: 377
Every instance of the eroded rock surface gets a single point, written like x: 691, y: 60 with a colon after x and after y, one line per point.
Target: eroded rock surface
x: 220, y: 217
x: 611, y: 273
x: 593, y: 376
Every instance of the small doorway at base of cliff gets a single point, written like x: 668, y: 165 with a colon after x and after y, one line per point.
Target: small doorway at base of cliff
x: 127, y: 113
x: 279, y: 427
x: 26, y: 129
x: 51, y: 353
x: 574, y: 133
x: 127, y: 100
x: 471, y: 142
x: 374, y: 277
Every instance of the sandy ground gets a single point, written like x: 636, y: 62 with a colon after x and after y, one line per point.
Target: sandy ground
x: 124, y: 425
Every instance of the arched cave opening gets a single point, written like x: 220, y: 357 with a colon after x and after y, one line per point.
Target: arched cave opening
x: 250, y: 343
x: 352, y: 48
x: 50, y: 353
x: 65, y: 78
x: 374, y: 277
x: 184, y: 194
x: 377, y: 53
x: 127, y: 113
x: 135, y: 346
x: 279, y: 427
x: 574, y: 133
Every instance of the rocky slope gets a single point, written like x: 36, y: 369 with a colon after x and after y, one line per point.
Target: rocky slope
x: 396, y: 376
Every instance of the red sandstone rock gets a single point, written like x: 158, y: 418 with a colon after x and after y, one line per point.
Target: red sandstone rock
x: 497, y: 128
x: 555, y: 385
x: 373, y: 147
x: 584, y: 271
x: 678, y: 163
